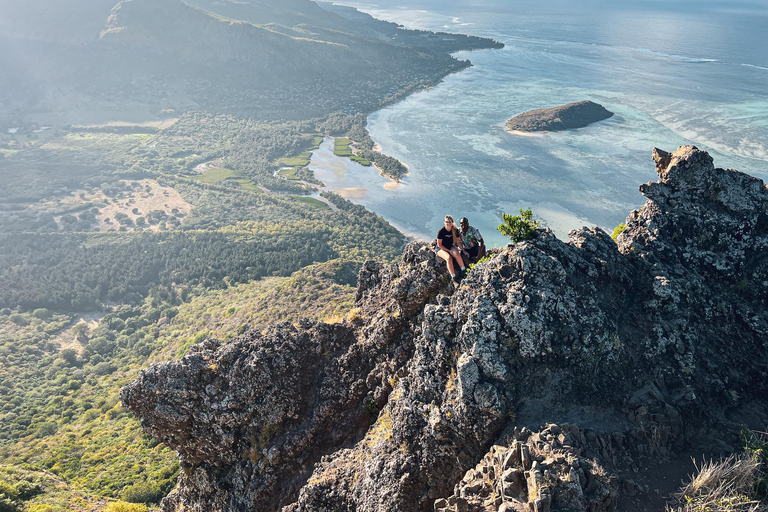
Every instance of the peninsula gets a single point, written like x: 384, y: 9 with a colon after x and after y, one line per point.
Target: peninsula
x: 564, y: 117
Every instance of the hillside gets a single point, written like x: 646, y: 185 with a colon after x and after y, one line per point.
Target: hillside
x: 136, y: 58
x: 558, y: 375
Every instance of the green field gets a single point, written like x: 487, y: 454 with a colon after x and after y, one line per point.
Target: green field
x: 311, y: 201
x: 248, y: 184
x: 341, y: 146
x: 301, y: 160
x: 216, y: 174
x: 361, y: 161
x: 289, y: 174
x: 219, y: 174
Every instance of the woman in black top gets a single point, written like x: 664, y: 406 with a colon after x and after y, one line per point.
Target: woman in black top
x: 449, y: 242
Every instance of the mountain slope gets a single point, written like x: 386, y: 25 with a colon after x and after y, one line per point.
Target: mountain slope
x: 615, y: 353
x: 166, y: 54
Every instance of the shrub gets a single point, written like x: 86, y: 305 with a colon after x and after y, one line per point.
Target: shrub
x: 7, y: 505
x: 618, y: 230
x: 485, y: 258
x: 69, y: 355
x: 728, y: 486
x: 143, y: 492
x: 9, y: 491
x: 19, y: 319
x: 41, y: 313
x: 519, y: 227
x: 122, y: 506
x: 46, y: 429
x: 39, y: 507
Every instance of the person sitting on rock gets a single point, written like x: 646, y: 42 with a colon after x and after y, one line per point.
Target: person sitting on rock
x: 449, y: 242
x: 472, y: 241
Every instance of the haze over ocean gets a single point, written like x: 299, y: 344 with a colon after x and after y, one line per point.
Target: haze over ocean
x: 674, y: 73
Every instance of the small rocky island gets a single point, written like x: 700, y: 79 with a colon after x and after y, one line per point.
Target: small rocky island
x: 564, y: 117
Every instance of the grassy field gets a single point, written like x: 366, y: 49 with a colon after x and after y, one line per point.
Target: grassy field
x: 301, y: 160
x: 216, y: 174
x: 289, y: 174
x: 361, y: 161
x: 219, y: 174
x: 311, y: 201
x: 341, y: 146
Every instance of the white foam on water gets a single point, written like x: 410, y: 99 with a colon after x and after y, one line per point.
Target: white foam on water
x: 754, y: 66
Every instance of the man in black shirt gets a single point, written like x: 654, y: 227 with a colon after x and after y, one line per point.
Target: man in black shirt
x: 449, y: 242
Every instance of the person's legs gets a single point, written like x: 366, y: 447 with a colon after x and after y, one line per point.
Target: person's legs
x: 447, y: 257
x: 459, y: 258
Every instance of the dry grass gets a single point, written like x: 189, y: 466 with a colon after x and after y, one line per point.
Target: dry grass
x: 725, y: 486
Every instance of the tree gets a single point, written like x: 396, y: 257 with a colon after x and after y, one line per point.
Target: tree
x: 69, y: 355
x: 80, y: 330
x: 519, y: 227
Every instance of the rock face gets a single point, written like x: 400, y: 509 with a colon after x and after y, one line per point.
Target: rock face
x: 550, y: 368
x: 564, y: 117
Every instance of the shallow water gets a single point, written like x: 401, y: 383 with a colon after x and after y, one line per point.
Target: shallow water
x: 673, y: 73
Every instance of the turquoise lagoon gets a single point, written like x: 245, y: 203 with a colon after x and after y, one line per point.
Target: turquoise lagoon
x: 674, y: 73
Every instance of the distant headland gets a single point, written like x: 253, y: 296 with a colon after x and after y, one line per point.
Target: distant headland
x: 564, y: 117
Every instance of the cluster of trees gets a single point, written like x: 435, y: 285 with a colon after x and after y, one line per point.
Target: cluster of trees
x: 388, y: 166
x: 78, y: 273
x: 59, y: 408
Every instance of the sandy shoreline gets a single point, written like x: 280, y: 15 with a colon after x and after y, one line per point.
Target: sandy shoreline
x: 526, y: 134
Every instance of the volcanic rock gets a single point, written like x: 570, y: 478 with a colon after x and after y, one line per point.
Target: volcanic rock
x: 564, y: 117
x: 553, y: 366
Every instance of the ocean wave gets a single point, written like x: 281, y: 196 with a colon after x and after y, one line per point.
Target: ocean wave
x: 754, y: 66
x: 673, y: 56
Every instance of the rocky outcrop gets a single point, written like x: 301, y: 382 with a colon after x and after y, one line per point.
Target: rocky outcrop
x: 551, y: 368
x: 564, y: 117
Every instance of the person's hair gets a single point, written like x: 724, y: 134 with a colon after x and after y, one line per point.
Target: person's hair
x: 454, y: 229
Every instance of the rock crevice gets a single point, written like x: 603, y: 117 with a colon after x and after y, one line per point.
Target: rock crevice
x: 550, y: 366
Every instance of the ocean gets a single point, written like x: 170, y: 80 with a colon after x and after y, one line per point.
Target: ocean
x: 674, y: 73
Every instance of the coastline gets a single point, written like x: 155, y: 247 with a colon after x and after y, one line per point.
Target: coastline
x: 393, y: 183
x: 526, y: 134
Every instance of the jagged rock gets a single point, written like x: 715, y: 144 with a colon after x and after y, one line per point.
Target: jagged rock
x: 642, y: 343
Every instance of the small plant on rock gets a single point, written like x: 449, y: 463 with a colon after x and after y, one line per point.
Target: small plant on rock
x: 519, y: 227
x: 618, y: 230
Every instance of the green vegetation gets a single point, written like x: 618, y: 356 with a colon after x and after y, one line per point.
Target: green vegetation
x: 316, y: 141
x: 361, y: 161
x: 312, y: 202
x: 301, y: 160
x: 219, y: 174
x: 484, y: 259
x: 618, y: 230
x: 210, y: 270
x: 387, y: 166
x: 519, y: 227
x: 216, y: 174
x: 178, y: 256
x: 341, y: 146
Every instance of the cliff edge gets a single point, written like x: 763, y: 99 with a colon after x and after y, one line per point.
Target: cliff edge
x: 553, y: 369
